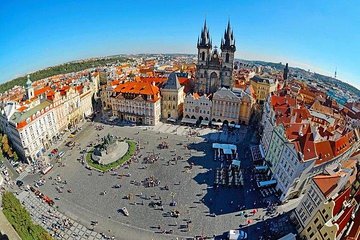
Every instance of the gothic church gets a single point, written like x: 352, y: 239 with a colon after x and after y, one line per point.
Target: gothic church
x: 214, y: 69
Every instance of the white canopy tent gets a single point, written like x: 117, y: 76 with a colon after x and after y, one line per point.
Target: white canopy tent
x: 217, y: 123
x: 189, y: 120
x: 235, y: 163
x: 205, y: 122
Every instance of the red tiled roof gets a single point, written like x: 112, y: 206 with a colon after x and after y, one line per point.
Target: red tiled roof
x: 300, y: 114
x: 344, y: 143
x: 156, y: 80
x: 306, y: 146
x: 40, y: 91
x: 293, y: 130
x: 340, y: 199
x: 326, y: 183
x: 22, y: 108
x: 282, y: 101
x: 354, y: 233
x: 344, y: 219
x: 137, y: 88
x: 324, y: 151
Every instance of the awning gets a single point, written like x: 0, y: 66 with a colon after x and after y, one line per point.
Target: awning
x: 170, y: 119
x: 266, y: 183
x: 236, y: 163
x: 261, y: 168
x: 224, y: 146
x: 188, y: 120
x: 227, y: 151
x: 217, y: 123
x: 205, y: 122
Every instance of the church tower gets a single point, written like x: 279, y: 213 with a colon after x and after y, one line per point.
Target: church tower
x: 286, y: 71
x: 29, y: 88
x: 204, y: 46
x: 228, y: 49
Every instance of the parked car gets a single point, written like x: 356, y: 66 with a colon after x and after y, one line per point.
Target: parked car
x: 236, y: 235
x: 61, y: 154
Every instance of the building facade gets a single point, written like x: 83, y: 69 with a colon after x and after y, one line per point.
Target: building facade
x: 263, y: 87
x: 231, y: 107
x: 197, y: 107
x: 137, y: 102
x: 33, y: 124
x: 172, y: 98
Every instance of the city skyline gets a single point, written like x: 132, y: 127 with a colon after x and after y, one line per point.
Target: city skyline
x: 307, y: 35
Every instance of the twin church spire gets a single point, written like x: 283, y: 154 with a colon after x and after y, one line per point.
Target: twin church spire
x: 227, y: 41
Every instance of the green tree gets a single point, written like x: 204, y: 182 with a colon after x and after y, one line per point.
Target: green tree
x: 15, y: 156
x: 4, y: 139
x: 6, y: 148
x: 20, y: 219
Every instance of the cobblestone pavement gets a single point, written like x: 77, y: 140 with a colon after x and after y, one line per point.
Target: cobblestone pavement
x: 211, y: 211
x: 48, y: 217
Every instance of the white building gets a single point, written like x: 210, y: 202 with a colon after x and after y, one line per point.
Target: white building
x: 197, y: 107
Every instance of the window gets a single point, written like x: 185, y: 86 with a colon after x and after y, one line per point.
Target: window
x: 316, y: 220
x: 309, y: 229
x: 311, y: 235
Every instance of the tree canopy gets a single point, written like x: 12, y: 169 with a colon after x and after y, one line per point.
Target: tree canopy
x: 61, y: 69
x: 20, y: 219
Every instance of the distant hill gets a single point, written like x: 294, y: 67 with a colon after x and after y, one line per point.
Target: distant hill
x: 323, y: 78
x: 69, y: 67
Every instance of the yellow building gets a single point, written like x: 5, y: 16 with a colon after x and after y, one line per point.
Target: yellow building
x: 173, y: 96
x: 263, y: 87
x: 325, y: 211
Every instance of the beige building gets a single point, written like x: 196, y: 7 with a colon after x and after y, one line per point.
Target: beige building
x: 172, y: 98
x: 137, y: 102
x: 231, y: 107
x: 326, y: 208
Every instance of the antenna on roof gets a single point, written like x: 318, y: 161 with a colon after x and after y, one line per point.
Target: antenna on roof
x: 335, y: 73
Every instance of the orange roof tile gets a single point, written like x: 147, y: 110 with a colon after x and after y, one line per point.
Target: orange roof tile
x: 344, y: 219
x: 324, y: 151
x: 22, y: 108
x: 339, y: 200
x: 137, y: 88
x: 326, y: 183
x: 354, y: 233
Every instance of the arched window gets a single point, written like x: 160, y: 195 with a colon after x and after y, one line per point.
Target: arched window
x: 203, y: 56
x: 227, y: 57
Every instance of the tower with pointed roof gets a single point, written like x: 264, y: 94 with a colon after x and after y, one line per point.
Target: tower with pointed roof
x: 29, y: 88
x: 228, y: 49
x: 286, y: 71
x: 204, y: 45
x: 214, y: 69
x: 172, y: 98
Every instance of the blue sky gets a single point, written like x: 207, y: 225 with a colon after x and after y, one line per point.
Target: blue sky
x: 317, y: 35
